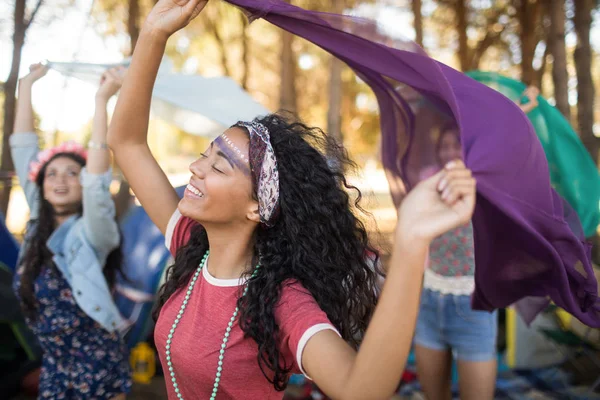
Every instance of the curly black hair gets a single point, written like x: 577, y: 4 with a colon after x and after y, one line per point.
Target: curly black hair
x: 317, y: 241
x: 37, y: 254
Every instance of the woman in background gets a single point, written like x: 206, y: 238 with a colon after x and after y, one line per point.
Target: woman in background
x: 447, y: 327
x: 71, y: 254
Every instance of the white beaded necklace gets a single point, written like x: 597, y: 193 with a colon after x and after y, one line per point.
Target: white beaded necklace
x: 225, y: 337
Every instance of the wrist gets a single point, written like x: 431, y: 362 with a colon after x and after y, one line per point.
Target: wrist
x: 409, y: 235
x: 149, y: 32
x: 25, y: 84
x: 102, y: 99
x: 410, y: 251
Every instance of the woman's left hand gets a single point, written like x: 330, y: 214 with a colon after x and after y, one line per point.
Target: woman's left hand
x: 531, y: 93
x: 110, y: 83
x: 438, y: 204
x: 169, y: 16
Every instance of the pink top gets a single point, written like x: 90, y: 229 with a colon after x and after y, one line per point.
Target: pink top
x: 197, y: 340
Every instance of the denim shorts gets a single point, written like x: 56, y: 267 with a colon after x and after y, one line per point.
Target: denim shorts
x: 447, y: 322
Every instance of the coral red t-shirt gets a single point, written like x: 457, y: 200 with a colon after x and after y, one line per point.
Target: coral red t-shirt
x: 197, y: 340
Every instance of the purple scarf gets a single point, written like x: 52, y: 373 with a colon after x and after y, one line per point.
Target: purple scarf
x: 528, y: 241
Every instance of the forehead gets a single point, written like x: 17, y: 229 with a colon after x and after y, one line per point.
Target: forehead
x: 239, y: 137
x: 63, y: 163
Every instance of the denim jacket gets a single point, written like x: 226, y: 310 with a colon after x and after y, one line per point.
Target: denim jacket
x: 81, y: 245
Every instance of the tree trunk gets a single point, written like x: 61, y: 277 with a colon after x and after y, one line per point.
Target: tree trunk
x: 287, y: 89
x: 542, y: 70
x: 245, y: 51
x: 122, y: 198
x: 334, y: 111
x: 10, y: 86
x: 334, y: 116
x: 585, y: 85
x: 213, y: 27
x: 556, y: 42
x: 418, y: 21
x: 287, y: 96
x: 132, y: 23
x: 528, y: 12
x: 461, y: 28
x: 527, y: 52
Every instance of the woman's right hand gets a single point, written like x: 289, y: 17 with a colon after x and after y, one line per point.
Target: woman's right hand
x: 36, y: 71
x: 169, y: 16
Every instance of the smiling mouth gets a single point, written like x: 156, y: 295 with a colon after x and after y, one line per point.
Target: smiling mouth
x: 193, y: 190
x: 61, y: 191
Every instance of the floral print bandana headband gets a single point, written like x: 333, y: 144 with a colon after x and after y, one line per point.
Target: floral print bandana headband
x: 44, y: 156
x: 265, y: 175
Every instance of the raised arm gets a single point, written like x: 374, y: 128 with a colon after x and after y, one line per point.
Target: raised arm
x: 435, y: 206
x: 24, y: 141
x: 98, y: 161
x: 24, y: 115
x: 128, y: 131
x: 98, y: 207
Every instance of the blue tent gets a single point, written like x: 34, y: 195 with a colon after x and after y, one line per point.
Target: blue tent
x: 145, y: 261
x: 9, y: 248
x: 20, y: 354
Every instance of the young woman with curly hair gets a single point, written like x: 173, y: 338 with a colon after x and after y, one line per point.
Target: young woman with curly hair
x: 270, y: 275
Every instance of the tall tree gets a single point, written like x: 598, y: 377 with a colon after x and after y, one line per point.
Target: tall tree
x: 418, y: 21
x: 490, y: 29
x: 556, y: 42
x: 585, y: 85
x: 211, y: 22
x: 122, y: 198
x: 287, y: 91
x: 462, y: 26
x: 245, y: 51
x: 21, y: 25
x: 529, y: 13
x: 133, y: 24
x: 334, y: 111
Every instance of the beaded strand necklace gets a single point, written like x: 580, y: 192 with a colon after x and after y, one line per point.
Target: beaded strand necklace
x: 225, y: 337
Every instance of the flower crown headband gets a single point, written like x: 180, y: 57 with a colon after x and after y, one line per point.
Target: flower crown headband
x: 43, y: 157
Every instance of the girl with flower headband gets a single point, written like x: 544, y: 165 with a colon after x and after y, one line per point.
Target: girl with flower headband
x: 270, y: 276
x: 71, y: 254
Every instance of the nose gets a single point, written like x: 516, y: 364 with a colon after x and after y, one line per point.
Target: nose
x: 197, y: 168
x: 62, y: 178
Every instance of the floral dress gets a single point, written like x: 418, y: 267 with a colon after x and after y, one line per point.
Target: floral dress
x: 81, y: 359
x: 452, y: 254
x: 451, y: 265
